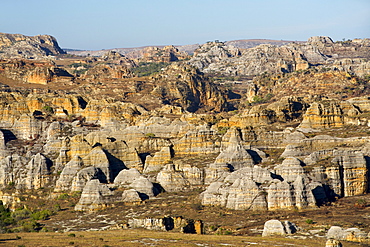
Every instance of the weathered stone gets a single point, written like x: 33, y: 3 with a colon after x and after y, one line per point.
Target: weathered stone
x: 94, y: 196
x: 290, y: 169
x: 144, y: 187
x: 244, y: 194
x: 131, y: 196
x: 273, y: 227
x: 127, y: 176
x: 38, y: 172
x: 68, y: 173
x: 156, y: 163
x: 85, y: 175
x: 172, y: 180
x: 280, y: 195
x: 349, y: 234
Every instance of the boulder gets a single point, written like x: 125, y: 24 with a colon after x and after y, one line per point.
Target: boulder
x: 145, y: 188
x: 127, y: 176
x: 276, y: 227
x: 94, y: 196
x: 131, y: 196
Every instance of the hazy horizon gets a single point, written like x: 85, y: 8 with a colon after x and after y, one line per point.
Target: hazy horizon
x: 98, y: 25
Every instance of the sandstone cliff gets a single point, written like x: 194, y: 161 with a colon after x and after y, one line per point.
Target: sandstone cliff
x: 21, y: 46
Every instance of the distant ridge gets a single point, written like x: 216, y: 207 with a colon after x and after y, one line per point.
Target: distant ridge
x: 242, y: 43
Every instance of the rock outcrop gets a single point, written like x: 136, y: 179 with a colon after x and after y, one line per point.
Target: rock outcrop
x: 39, y: 72
x: 21, y: 46
x: 186, y: 86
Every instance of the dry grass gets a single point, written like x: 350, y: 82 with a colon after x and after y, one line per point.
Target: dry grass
x: 148, y: 238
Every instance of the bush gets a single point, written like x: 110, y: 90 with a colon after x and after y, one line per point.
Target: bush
x: 30, y: 226
x: 63, y: 196
x: 309, y: 221
x: 41, y: 215
x: 223, y: 130
x: 21, y: 214
x: 57, y: 208
x: 150, y: 135
x: 48, y: 109
x: 72, y: 235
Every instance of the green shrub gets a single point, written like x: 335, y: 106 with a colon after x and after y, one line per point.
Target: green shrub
x: 150, y: 135
x: 48, y: 109
x: 21, y: 214
x: 72, y: 235
x: 63, y: 196
x: 57, y: 208
x: 309, y: 221
x: 41, y: 215
x: 223, y: 130
x: 30, y: 226
x: 76, y: 194
x: 146, y: 69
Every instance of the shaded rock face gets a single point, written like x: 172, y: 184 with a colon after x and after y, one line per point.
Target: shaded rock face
x: 131, y: 196
x: 156, y: 162
x: 132, y: 178
x: 284, y: 110
x: 237, y: 191
x: 70, y: 170
x: 168, y: 224
x: 290, y: 169
x: 186, y: 86
x: 34, y: 72
x: 38, y: 172
x: 21, y: 46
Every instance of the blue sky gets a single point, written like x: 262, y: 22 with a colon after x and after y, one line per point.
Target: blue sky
x: 104, y: 24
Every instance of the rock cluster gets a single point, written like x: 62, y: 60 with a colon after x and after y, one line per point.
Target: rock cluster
x: 122, y: 139
x: 222, y: 58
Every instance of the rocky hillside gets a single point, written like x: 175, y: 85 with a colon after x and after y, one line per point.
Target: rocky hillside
x: 94, y: 131
x: 21, y: 46
x: 220, y: 57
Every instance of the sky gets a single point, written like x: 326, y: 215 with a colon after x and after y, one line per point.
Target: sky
x: 106, y: 24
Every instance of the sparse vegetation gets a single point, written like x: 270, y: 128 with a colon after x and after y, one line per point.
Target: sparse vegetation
x: 309, y: 221
x: 150, y: 135
x: 48, y: 109
x: 147, y: 69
